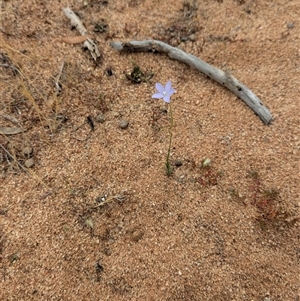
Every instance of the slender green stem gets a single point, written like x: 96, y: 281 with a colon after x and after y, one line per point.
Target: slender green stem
x: 169, y: 168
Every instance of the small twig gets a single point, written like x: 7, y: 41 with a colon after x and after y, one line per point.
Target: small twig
x: 224, y: 78
x: 88, y: 43
x: 118, y: 197
x: 57, y: 80
x: 15, y: 69
x: 43, y: 196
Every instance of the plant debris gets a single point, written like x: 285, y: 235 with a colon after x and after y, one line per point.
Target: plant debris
x: 137, y: 76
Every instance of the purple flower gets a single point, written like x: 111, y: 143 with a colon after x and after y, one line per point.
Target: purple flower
x: 164, y: 92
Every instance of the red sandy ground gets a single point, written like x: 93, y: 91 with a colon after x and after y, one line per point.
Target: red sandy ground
x: 228, y: 232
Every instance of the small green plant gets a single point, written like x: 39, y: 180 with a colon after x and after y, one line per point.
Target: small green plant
x: 165, y: 93
x: 137, y: 76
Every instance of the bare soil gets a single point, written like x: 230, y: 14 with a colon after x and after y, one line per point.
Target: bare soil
x: 92, y: 214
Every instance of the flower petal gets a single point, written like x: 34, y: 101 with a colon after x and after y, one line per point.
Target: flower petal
x: 167, y: 98
x: 168, y: 86
x: 159, y: 87
x: 158, y: 95
x: 171, y: 91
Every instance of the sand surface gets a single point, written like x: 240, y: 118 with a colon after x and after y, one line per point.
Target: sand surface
x: 92, y: 214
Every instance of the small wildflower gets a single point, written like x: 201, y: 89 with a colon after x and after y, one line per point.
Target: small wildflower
x: 164, y: 92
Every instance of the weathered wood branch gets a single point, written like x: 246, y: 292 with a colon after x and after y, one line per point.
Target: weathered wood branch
x: 224, y: 78
x: 88, y: 43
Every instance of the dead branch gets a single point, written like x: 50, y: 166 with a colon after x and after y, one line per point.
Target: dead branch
x: 224, y: 78
x: 88, y: 43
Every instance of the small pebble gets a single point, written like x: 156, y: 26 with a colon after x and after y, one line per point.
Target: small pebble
x: 107, y: 252
x: 123, y: 124
x: 183, y: 39
x: 178, y: 162
x: 115, y: 114
x: 137, y: 235
x: 290, y: 25
x: 193, y: 37
x: 27, y: 151
x: 100, y: 118
x: 29, y: 163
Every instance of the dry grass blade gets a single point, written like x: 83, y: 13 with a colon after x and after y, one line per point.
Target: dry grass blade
x: 25, y: 86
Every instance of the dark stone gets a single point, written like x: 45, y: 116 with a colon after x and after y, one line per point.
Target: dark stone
x: 178, y: 162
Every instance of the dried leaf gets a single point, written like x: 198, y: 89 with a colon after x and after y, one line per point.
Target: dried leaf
x: 10, y: 131
x: 10, y: 118
x: 89, y: 222
x: 72, y: 40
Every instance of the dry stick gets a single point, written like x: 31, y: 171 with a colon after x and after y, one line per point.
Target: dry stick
x: 224, y: 78
x: 88, y: 43
x: 57, y: 80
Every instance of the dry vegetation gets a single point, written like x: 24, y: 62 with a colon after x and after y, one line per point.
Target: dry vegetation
x: 86, y: 209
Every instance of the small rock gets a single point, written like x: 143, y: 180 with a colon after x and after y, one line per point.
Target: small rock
x: 193, y: 37
x: 183, y: 39
x: 115, y: 114
x: 123, y: 124
x: 137, y: 235
x: 29, y: 163
x: 100, y: 118
x: 107, y: 252
x: 178, y: 162
x: 290, y: 25
x: 27, y: 151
